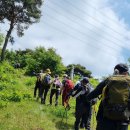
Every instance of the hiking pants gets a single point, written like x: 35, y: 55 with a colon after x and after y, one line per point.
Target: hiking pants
x: 111, y: 125
x: 83, y: 113
x: 43, y: 94
x: 65, y: 100
x: 35, y: 91
x: 57, y: 93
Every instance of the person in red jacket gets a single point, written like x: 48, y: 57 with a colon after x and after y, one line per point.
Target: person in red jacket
x: 66, y: 88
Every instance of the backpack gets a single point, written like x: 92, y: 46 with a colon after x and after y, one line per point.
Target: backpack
x: 56, y: 84
x: 68, y: 85
x: 46, y: 80
x: 116, y: 98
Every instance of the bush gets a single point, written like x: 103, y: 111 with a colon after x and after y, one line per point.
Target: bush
x: 3, y: 104
x: 30, y: 82
x: 3, y: 86
x: 16, y: 97
x: 27, y: 96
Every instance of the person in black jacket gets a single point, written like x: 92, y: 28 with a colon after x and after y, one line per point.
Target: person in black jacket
x: 103, y: 122
x: 37, y: 86
x: 83, y: 110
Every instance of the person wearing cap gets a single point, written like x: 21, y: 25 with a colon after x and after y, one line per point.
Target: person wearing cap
x: 67, y: 86
x: 46, y: 83
x: 62, y: 90
x: 55, y: 89
x: 83, y: 109
x: 105, y: 122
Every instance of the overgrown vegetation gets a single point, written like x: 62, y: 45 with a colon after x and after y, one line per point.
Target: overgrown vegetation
x: 20, y: 111
x: 11, y: 88
x: 40, y: 59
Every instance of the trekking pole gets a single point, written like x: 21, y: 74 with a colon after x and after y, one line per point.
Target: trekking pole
x: 93, y: 119
x: 94, y: 113
x: 66, y: 115
x: 63, y: 116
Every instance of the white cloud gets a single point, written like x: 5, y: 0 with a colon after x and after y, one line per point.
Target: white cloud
x: 81, y: 34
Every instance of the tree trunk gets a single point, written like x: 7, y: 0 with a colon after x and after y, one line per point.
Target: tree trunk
x: 6, y: 41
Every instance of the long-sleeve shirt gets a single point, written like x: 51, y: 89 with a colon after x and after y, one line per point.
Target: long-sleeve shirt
x: 80, y: 91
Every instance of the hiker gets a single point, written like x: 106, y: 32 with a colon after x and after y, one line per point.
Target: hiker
x: 114, y: 108
x: 46, y: 83
x: 66, y: 88
x: 83, y: 110
x: 37, y: 86
x: 17, y: 65
x: 55, y: 89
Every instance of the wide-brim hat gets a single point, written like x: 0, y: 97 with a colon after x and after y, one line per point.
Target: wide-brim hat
x: 65, y: 75
x: 48, y: 71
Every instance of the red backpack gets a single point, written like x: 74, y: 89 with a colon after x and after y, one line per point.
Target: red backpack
x: 69, y: 85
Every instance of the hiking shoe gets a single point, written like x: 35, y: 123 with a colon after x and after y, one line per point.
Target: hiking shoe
x: 42, y: 102
x: 68, y: 107
x: 56, y: 104
x: 37, y: 99
x: 82, y: 125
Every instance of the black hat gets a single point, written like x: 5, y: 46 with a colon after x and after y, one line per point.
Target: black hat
x: 85, y: 79
x: 121, y: 67
x: 56, y: 75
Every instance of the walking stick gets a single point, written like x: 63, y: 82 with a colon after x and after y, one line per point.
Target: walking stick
x: 94, y: 114
x: 65, y: 114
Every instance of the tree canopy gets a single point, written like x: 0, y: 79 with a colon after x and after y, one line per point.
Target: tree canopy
x: 19, y: 14
x: 79, y: 70
x: 36, y: 60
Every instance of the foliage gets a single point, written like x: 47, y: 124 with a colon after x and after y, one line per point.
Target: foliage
x: 20, y: 14
x: 3, y: 104
x: 1, y: 39
x: 10, y: 89
x: 94, y: 82
x: 79, y: 70
x: 37, y: 59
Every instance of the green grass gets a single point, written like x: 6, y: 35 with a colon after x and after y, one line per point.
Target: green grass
x: 31, y: 115
x: 20, y: 111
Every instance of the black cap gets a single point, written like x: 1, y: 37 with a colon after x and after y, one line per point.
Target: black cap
x: 85, y: 79
x: 121, y: 67
x: 56, y: 75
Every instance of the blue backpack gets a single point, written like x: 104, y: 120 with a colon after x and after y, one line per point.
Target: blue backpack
x: 47, y: 79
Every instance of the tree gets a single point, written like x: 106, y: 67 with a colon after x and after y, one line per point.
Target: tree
x: 20, y: 14
x: 1, y: 39
x: 79, y: 70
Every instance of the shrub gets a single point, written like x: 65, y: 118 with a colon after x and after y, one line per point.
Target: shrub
x: 3, y: 104
x: 16, y: 97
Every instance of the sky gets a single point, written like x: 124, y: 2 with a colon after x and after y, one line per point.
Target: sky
x: 95, y: 34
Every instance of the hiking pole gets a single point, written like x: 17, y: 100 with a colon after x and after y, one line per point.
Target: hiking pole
x: 66, y: 115
x: 94, y: 113
x: 63, y: 116
x: 92, y: 119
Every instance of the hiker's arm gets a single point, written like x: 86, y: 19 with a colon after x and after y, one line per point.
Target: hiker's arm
x: 74, y: 89
x: 97, y: 91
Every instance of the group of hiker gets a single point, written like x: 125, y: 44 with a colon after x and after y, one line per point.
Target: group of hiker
x: 44, y: 83
x: 114, y: 93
